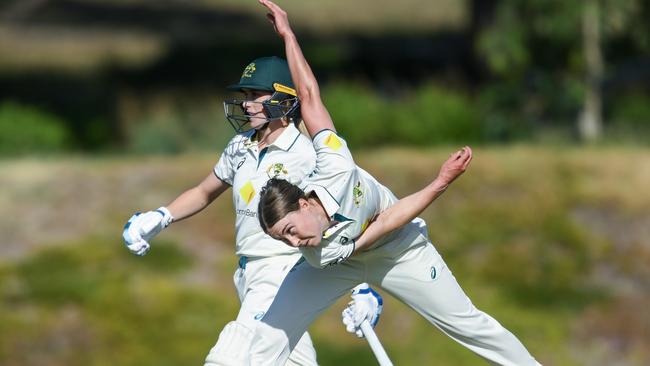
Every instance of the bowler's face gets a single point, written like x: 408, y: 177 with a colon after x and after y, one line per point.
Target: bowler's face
x: 299, y: 228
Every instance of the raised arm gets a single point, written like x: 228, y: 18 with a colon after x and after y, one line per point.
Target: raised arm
x: 409, y: 207
x: 313, y: 110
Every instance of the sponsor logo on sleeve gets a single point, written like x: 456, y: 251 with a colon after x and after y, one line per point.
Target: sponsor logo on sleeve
x: 333, y: 141
x: 357, y: 193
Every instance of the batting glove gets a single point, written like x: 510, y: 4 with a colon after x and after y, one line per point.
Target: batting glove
x: 365, y: 304
x: 142, y: 227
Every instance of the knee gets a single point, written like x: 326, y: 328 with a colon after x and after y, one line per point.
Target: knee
x: 232, y: 347
x: 270, y: 346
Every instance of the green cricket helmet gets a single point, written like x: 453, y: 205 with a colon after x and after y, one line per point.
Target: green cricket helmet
x: 270, y: 74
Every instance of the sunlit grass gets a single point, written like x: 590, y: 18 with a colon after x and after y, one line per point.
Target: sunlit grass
x: 539, y: 238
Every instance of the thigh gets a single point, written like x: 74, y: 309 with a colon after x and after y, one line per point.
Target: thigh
x: 258, y: 284
x: 305, y: 293
x: 421, y: 279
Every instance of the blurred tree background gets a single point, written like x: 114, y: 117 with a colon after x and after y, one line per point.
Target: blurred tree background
x: 113, y: 106
x: 148, y: 76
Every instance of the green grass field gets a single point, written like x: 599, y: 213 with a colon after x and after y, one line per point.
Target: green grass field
x: 553, y: 242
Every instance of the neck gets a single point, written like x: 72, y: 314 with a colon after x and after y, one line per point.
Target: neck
x: 271, y: 132
x: 323, y: 217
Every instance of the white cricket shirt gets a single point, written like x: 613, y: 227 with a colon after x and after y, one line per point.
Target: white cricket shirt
x: 247, y: 170
x: 349, y: 194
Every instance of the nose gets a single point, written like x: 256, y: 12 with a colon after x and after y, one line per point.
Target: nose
x: 293, y: 241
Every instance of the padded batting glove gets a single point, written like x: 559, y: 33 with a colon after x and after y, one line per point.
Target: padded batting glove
x: 142, y: 227
x: 365, y: 304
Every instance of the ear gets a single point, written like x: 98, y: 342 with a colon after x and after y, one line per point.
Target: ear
x: 303, y: 203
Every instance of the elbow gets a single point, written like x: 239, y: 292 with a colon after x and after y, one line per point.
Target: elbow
x: 204, y: 197
x: 308, y: 93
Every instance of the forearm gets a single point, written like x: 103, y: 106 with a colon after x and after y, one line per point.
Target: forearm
x: 301, y: 73
x: 314, y: 113
x: 400, y: 214
x: 409, y: 207
x: 196, y: 199
x: 188, y: 203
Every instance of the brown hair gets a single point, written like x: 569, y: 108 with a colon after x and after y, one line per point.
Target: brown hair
x: 277, y: 199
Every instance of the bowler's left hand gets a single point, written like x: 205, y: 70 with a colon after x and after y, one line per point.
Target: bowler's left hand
x: 455, y: 165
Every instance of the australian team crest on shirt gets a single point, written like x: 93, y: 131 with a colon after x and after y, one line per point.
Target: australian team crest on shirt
x: 357, y: 194
x: 277, y: 170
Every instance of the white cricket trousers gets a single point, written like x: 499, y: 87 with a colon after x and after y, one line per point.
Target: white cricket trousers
x: 409, y: 268
x: 257, y: 282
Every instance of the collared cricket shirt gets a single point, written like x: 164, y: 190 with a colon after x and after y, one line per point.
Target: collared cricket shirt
x: 247, y: 170
x: 350, y: 195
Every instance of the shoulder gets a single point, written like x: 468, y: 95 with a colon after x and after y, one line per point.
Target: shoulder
x: 329, y: 140
x: 304, y: 145
x: 323, y: 134
x: 238, y: 143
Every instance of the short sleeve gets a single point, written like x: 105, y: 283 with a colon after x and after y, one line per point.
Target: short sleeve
x: 332, y: 153
x: 225, y: 167
x: 335, y: 168
x: 328, y: 254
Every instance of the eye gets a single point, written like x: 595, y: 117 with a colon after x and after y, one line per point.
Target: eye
x: 249, y: 95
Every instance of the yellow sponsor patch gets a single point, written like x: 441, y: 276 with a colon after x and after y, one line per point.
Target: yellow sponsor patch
x: 365, y: 225
x: 247, y: 192
x: 333, y: 142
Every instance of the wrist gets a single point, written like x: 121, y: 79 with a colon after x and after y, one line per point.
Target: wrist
x: 289, y: 36
x: 361, y: 288
x: 439, y: 184
x: 167, y: 217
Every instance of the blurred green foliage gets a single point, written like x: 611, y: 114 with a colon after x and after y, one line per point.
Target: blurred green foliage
x: 80, y: 304
x: 426, y: 116
x: 161, y: 135
x: 631, y: 113
x: 535, y: 52
x: 504, y: 71
x: 630, y: 119
x: 28, y: 129
x: 430, y: 115
x: 435, y: 115
x: 179, y: 123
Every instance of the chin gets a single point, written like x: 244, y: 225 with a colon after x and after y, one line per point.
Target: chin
x: 315, y: 243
